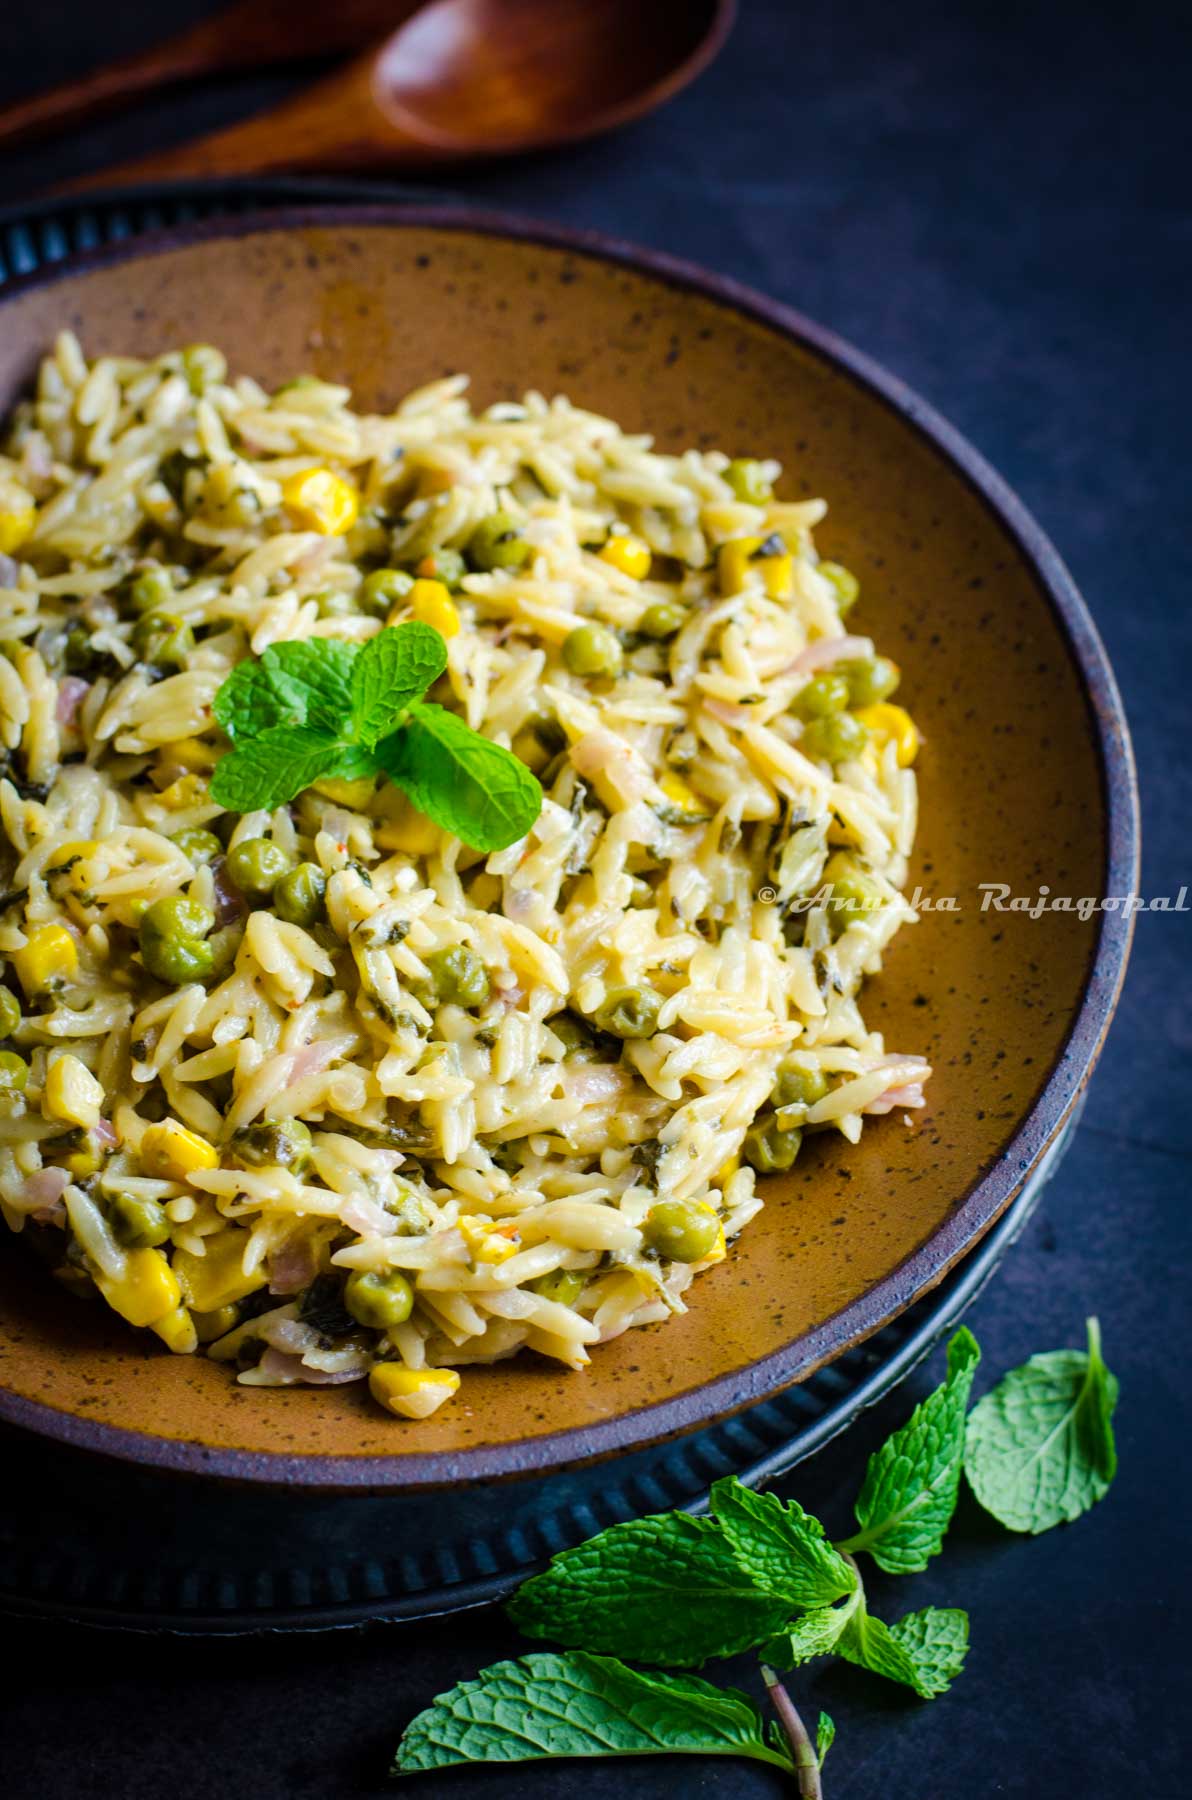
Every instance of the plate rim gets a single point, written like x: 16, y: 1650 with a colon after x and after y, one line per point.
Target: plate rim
x: 989, y: 1196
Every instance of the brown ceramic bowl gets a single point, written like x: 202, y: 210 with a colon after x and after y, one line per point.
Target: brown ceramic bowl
x: 1026, y: 779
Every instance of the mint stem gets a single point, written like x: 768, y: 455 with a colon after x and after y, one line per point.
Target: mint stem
x: 807, y: 1770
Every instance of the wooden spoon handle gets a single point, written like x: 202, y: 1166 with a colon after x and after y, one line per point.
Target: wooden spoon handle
x: 251, y: 34
x: 334, y: 127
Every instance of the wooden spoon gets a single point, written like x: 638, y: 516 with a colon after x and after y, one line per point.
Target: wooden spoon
x: 252, y: 34
x: 468, y: 78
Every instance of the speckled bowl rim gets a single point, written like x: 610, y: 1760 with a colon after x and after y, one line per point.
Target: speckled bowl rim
x: 983, y: 1204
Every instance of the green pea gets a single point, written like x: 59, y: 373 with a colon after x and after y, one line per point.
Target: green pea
x: 662, y: 620
x: 564, y: 1286
x: 447, y: 566
x: 14, y: 1072
x: 834, y: 739
x: 767, y: 1148
x: 870, y: 679
x: 173, y: 940
x: 151, y: 591
x: 77, y: 654
x: 630, y: 1012
x: 847, y: 586
x: 256, y: 865
x: 381, y: 591
x: 163, y: 640
x: 797, y: 1085
x: 748, y: 480
x: 332, y: 604
x: 823, y: 694
x: 138, y: 1224
x: 203, y: 366
x: 10, y: 1012
x: 176, y: 916
x: 198, y: 846
x: 285, y: 1143
x: 681, y: 1230
x: 854, y: 893
x: 592, y: 650
x: 497, y: 543
x: 298, y: 896
x: 378, y: 1298
x: 578, y: 1043
x: 459, y: 976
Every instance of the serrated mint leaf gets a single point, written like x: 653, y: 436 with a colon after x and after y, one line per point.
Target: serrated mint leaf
x: 581, y: 1705
x: 467, y: 784
x: 780, y: 1547
x: 268, y: 770
x: 393, y: 668
x: 911, y: 1483
x: 666, y: 1589
x: 815, y: 1633
x: 314, y: 676
x: 825, y: 1737
x: 1040, y: 1448
x: 247, y: 703
x: 936, y: 1640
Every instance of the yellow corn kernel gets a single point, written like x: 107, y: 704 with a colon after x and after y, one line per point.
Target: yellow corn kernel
x: 188, y: 790
x: 725, y: 1172
x: 192, y: 753
x: 147, y: 1290
x: 487, y: 1244
x: 170, y: 1152
x: 679, y: 794
x: 217, y: 1278
x: 72, y: 1093
x: 177, y: 1331
x: 739, y: 555
x: 409, y: 830
x: 411, y: 1393
x: 78, y: 851
x: 216, y: 1324
x: 432, y: 603
x: 51, y: 954
x: 886, y: 721
x: 355, y: 795
x: 718, y: 1252
x: 88, y: 1160
x: 628, y: 554
x: 18, y: 516
x: 322, y: 501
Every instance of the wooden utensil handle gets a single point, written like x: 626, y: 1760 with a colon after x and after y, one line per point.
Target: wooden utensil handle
x: 252, y: 34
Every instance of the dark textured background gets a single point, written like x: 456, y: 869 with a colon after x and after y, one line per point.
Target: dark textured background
x: 992, y: 200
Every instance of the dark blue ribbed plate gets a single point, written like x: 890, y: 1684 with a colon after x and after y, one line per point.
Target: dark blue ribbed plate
x: 108, y: 1543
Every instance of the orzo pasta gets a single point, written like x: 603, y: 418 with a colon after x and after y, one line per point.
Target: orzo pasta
x: 323, y: 1090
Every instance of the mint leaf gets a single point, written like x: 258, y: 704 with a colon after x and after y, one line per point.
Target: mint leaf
x: 464, y: 782
x: 782, y: 1548
x: 936, y: 1640
x: 911, y: 1483
x: 666, y: 1589
x: 815, y: 1634
x: 268, y: 770
x: 314, y: 677
x: 581, y: 1705
x: 247, y: 703
x: 393, y: 668
x: 825, y: 1737
x: 1040, y: 1447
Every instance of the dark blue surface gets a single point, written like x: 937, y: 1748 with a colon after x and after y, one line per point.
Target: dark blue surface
x: 992, y: 200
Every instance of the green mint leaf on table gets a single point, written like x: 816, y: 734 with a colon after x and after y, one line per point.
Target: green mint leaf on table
x: 268, y: 770
x: 923, y: 1651
x: 1040, y: 1447
x: 394, y: 668
x: 664, y: 1590
x: 825, y: 1737
x: 582, y: 1705
x: 464, y: 782
x: 815, y: 1633
x: 781, y: 1548
x: 911, y: 1483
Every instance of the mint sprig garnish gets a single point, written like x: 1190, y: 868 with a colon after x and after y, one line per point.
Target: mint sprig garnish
x: 1040, y: 1447
x: 320, y: 708
x: 676, y: 1591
